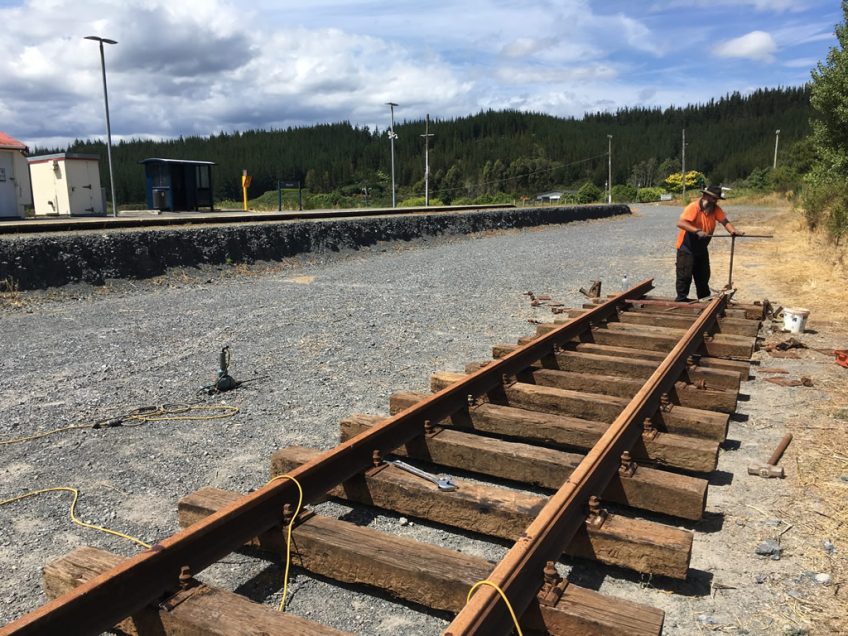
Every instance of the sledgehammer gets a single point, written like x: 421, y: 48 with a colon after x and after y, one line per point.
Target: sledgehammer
x: 771, y: 469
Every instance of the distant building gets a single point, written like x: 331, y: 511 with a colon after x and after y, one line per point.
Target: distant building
x: 557, y: 196
x: 549, y: 197
x: 67, y: 183
x: 15, y: 188
x: 177, y: 184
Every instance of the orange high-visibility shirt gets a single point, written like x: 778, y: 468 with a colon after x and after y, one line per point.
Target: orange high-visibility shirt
x: 701, y: 220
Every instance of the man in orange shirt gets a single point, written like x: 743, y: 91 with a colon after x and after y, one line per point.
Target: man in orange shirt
x: 697, y: 224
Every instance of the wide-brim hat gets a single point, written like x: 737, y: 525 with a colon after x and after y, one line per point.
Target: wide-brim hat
x: 714, y: 191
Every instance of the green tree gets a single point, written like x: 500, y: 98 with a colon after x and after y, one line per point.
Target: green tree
x: 668, y: 167
x: 759, y: 179
x: 622, y: 193
x: 825, y: 199
x: 588, y: 193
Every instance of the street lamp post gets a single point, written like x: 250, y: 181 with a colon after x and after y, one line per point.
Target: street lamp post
x: 776, y: 137
x: 427, y: 134
x: 392, y: 137
x: 609, y: 169
x: 108, y: 124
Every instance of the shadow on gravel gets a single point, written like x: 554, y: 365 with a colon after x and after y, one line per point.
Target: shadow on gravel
x: 720, y: 478
x: 731, y: 445
x: 592, y: 575
x: 739, y: 417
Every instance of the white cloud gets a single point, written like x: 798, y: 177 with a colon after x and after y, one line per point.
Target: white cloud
x: 756, y: 45
x: 775, y: 6
x: 196, y: 67
x: 801, y: 62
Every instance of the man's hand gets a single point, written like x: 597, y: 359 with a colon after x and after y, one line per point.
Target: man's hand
x: 701, y: 234
x: 736, y: 232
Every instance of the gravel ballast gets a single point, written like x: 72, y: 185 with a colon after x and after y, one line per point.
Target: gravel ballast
x: 321, y: 337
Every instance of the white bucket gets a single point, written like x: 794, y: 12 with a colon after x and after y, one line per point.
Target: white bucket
x: 794, y: 320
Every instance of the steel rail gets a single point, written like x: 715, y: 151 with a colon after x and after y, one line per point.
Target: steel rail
x: 520, y: 573
x: 144, y: 578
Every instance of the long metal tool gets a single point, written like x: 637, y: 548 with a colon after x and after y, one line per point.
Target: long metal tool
x: 99, y: 604
x: 733, y: 238
x: 520, y: 573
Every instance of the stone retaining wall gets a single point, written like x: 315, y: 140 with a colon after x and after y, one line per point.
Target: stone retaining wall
x: 49, y: 260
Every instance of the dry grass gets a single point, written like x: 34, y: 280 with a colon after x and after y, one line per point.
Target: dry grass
x: 803, y: 269
x: 10, y: 295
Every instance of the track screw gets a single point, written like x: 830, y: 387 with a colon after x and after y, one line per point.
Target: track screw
x: 428, y: 427
x: 665, y: 403
x: 594, y: 505
x: 185, y: 577
x: 628, y: 466
x: 376, y: 458
x: 552, y: 577
x: 288, y: 513
x: 597, y: 515
x: 648, y: 430
x: 470, y: 400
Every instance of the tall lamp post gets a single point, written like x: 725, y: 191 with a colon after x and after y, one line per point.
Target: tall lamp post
x: 108, y: 125
x: 609, y: 169
x: 427, y: 134
x: 392, y: 137
x: 776, y: 137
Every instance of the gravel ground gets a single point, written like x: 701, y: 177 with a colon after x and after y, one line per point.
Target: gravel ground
x: 322, y: 337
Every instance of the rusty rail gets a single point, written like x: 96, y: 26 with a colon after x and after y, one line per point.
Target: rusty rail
x: 520, y: 573
x: 143, y: 579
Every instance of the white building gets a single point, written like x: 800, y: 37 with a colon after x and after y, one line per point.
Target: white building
x: 66, y: 184
x: 15, y: 191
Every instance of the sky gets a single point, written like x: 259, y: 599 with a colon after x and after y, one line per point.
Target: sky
x: 201, y: 67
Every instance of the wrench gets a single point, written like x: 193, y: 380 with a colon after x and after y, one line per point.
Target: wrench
x: 444, y: 483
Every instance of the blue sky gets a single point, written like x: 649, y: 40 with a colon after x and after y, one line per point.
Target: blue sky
x: 197, y: 67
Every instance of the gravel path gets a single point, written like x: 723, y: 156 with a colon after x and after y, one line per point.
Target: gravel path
x: 324, y: 337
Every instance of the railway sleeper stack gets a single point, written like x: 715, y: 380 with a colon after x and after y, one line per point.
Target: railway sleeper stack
x: 537, y: 425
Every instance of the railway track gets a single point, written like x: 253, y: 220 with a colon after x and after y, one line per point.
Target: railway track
x: 624, y: 404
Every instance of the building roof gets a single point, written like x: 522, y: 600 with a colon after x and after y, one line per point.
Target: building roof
x: 185, y: 161
x: 11, y: 143
x: 62, y: 156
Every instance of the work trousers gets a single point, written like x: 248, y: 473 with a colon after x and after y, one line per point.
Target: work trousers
x: 691, y: 266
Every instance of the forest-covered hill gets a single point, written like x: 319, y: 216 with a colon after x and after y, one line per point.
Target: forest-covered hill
x: 494, y: 151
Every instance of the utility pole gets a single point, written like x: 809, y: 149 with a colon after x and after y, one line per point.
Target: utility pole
x: 427, y: 134
x: 108, y: 124
x: 392, y: 137
x: 776, y: 137
x: 683, y: 165
x: 609, y: 169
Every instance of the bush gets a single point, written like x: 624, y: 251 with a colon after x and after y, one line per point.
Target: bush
x: 418, y: 202
x: 646, y: 195
x: 623, y: 193
x: 824, y: 203
x: 588, y: 193
x: 694, y: 181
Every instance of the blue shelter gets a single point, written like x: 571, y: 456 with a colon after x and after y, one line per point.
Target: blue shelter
x: 175, y: 184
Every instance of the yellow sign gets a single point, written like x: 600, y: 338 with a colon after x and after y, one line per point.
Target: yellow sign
x: 245, y: 184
